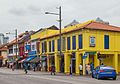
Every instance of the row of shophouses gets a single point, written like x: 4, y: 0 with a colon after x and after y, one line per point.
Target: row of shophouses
x: 80, y: 44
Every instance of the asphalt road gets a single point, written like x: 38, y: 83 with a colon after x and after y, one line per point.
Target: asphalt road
x: 8, y: 76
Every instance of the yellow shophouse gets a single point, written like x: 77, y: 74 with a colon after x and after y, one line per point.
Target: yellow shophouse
x: 81, y: 43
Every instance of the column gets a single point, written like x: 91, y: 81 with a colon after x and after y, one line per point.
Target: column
x: 96, y: 61
x: 115, y: 62
x: 77, y: 63
x: 67, y: 63
x: 57, y: 63
x: 48, y: 60
x: 84, y: 67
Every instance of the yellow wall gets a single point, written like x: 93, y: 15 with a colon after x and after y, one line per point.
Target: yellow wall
x: 99, y: 38
x: 114, y: 40
x: 114, y: 46
x: 44, y: 33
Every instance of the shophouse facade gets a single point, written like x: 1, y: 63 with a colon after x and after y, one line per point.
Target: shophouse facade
x: 81, y: 43
x: 41, y: 47
x: 3, y: 55
x: 12, y: 52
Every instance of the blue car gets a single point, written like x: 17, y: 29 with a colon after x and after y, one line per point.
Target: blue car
x: 104, y: 72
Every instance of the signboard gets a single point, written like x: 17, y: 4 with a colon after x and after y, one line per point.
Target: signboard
x: 91, y: 53
x: 28, y: 47
x: 84, y: 56
x: 92, y: 41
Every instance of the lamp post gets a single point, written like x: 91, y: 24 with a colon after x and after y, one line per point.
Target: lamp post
x: 59, y: 14
x: 16, y: 42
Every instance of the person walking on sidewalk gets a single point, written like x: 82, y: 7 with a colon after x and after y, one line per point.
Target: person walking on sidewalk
x: 53, y: 69
x: 88, y: 69
x: 34, y: 66
x: 25, y: 64
x: 13, y: 66
x: 70, y: 69
x: 81, y: 69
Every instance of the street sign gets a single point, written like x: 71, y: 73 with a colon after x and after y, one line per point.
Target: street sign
x: 84, y: 56
x: 91, y: 53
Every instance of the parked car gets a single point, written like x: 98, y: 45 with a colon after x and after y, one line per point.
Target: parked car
x: 104, y: 72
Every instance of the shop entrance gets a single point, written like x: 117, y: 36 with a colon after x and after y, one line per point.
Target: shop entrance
x: 107, y: 59
x: 44, y: 63
x: 118, y: 63
x: 62, y: 64
x: 73, y: 63
x: 91, y: 58
x: 51, y: 62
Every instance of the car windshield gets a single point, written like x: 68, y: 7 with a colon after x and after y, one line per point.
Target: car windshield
x: 107, y: 67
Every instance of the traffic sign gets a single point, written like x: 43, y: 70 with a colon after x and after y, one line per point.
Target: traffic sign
x: 84, y: 56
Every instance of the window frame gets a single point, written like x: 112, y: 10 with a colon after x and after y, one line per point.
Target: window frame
x: 73, y: 42
x: 106, y: 42
x: 68, y: 43
x: 80, y: 41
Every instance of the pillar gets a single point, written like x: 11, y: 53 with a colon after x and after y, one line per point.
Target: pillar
x: 77, y: 63
x: 115, y: 61
x: 48, y: 63
x: 96, y: 61
x: 84, y: 66
x: 85, y: 61
x: 57, y: 63
x: 67, y: 63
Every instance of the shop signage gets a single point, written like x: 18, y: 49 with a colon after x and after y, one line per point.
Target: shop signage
x: 92, y: 41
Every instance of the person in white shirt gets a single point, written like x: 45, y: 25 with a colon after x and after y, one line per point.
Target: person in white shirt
x: 81, y: 69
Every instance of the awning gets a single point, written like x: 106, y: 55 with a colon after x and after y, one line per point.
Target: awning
x: 44, y: 58
x: 36, y: 59
x: 29, y: 58
x: 10, y: 61
x: 21, y: 61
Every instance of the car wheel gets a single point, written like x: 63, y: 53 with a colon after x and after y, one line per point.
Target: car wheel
x: 114, y: 78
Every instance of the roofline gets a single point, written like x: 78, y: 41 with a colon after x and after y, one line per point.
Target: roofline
x: 77, y: 30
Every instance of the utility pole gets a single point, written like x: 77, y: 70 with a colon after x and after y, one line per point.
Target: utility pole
x: 60, y: 20
x: 60, y: 29
x: 16, y: 42
x: 16, y: 48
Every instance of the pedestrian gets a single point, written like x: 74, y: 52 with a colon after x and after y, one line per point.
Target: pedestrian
x: 53, y: 69
x: 88, y: 69
x: 34, y: 66
x: 39, y: 66
x: 70, y: 69
x: 13, y: 66
x: 92, y: 66
x: 25, y: 64
x: 81, y: 68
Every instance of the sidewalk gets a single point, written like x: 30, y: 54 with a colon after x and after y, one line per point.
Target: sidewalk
x: 21, y: 71
x: 30, y: 72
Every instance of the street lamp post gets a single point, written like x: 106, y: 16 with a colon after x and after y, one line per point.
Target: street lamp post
x: 59, y: 14
x: 16, y: 42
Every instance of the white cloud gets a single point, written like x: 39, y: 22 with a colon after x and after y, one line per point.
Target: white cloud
x: 30, y: 14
